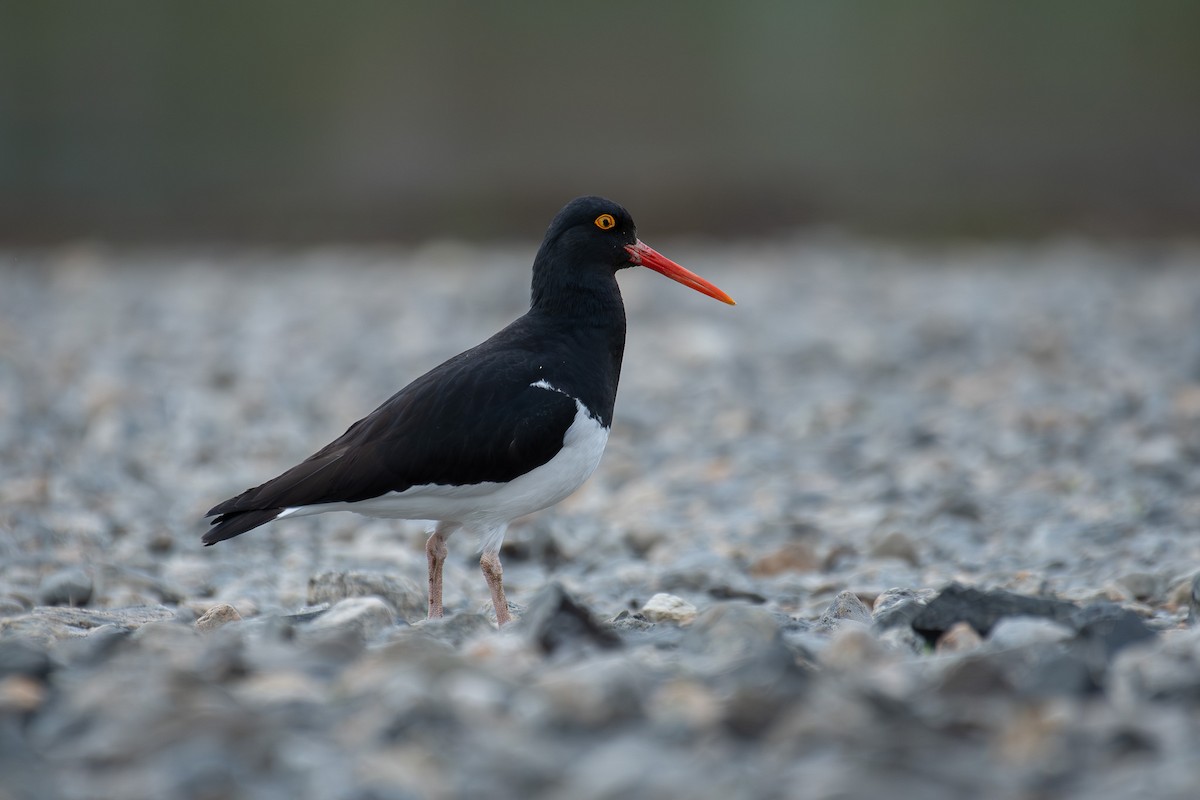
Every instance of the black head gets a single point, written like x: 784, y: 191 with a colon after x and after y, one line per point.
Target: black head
x: 590, y: 231
x: 587, y: 242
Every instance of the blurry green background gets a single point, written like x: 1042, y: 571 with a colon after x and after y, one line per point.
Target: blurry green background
x: 293, y: 121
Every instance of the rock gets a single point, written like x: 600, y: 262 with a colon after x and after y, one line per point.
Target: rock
x: 664, y: 607
x: 218, y: 615
x: 1012, y: 632
x: 1158, y: 453
x: 956, y: 603
x: 723, y: 591
x: 902, y: 638
x: 798, y: 556
x: 365, y: 617
x: 1184, y: 593
x: 1163, y: 670
x: 279, y: 687
x: 555, y: 620
x: 700, y: 571
x: 1045, y: 669
x: 959, y: 638
x: 685, y: 703
x: 845, y: 607
x: 1107, y: 629
x: 853, y: 646
x: 409, y: 598
x: 20, y: 694
x: 45, y: 625
x: 1141, y: 585
x: 10, y: 606
x: 729, y: 636
x: 740, y: 648
x: 67, y: 587
x: 603, y: 690
x: 456, y: 629
x: 895, y: 545
x: 22, y: 657
x: 974, y: 675
x: 896, y: 608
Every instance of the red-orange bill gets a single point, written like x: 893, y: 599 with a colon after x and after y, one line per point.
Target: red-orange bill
x: 646, y: 256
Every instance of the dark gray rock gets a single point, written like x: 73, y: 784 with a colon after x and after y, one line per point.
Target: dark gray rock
x: 22, y: 657
x: 897, y: 608
x: 555, y: 620
x: 981, y: 610
x: 1161, y: 670
x: 68, y: 587
x: 741, y: 648
x: 605, y: 690
x: 1105, y: 629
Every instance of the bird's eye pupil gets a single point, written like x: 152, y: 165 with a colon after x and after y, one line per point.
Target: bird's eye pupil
x: 605, y: 222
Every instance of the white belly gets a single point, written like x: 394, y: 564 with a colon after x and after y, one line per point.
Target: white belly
x: 487, y: 504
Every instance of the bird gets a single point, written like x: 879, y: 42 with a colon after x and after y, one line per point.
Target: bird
x: 508, y: 427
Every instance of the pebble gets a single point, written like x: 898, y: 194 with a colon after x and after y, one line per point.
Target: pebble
x: 792, y: 557
x: 364, y: 617
x: 853, y: 646
x: 958, y: 638
x: 555, y: 620
x: 895, y: 544
x: 20, y: 694
x: 68, y: 587
x: 1013, y: 632
x: 897, y: 607
x: 846, y: 607
x: 1142, y: 585
x: 664, y: 607
x: 23, y: 657
x: 215, y: 617
x: 408, y: 597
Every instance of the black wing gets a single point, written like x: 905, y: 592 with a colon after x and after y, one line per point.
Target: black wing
x: 475, y: 418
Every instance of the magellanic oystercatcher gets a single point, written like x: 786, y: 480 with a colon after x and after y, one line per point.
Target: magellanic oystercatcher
x: 506, y: 428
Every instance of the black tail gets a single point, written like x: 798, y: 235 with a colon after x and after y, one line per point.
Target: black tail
x: 234, y: 523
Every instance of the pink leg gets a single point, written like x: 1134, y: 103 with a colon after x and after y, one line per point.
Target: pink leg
x: 435, y: 550
x: 494, y: 573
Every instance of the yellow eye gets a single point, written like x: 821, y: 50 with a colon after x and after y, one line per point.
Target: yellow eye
x: 605, y: 221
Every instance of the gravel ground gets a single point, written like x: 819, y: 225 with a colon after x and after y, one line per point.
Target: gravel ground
x: 906, y: 522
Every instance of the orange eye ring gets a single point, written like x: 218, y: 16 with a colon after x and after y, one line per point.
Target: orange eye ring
x: 605, y: 222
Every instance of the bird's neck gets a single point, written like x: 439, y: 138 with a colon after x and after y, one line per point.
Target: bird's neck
x: 594, y: 321
x: 588, y: 321
x: 584, y: 297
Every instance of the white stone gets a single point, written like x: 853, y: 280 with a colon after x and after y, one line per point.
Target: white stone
x: 664, y: 607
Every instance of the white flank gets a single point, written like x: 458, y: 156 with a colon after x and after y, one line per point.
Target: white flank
x: 485, y: 509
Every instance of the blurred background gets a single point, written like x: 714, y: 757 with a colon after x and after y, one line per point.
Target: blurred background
x: 295, y: 122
